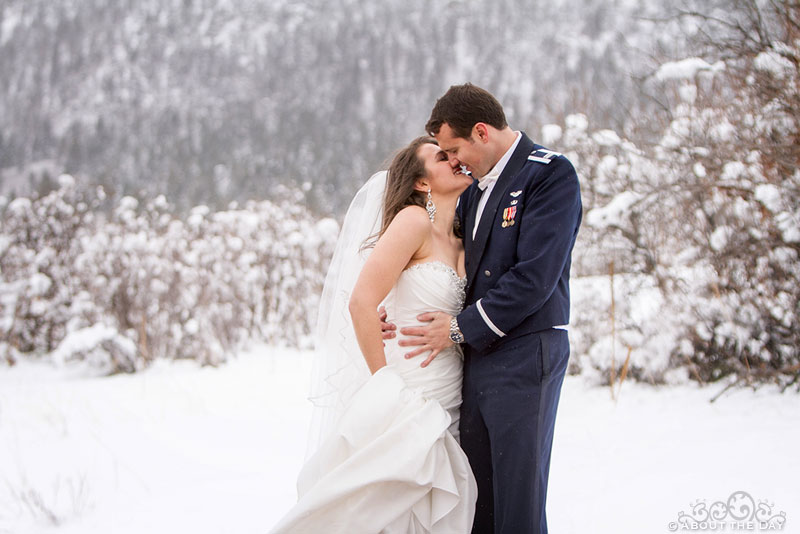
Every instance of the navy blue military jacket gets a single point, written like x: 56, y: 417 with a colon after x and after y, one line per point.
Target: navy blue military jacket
x: 518, y: 264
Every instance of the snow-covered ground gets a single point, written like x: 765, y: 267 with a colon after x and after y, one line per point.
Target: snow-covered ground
x: 180, y: 448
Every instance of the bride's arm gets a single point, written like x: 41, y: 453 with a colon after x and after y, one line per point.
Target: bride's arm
x: 405, y: 237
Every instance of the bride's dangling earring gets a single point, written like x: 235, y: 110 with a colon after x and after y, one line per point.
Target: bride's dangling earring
x: 430, y: 207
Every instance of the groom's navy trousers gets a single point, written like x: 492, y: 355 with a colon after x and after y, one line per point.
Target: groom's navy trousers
x: 517, y: 291
x: 507, y: 422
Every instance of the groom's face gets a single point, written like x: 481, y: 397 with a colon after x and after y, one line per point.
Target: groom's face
x: 470, y: 152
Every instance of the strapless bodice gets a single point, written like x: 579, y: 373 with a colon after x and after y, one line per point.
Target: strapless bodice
x: 426, y: 287
x: 423, y: 287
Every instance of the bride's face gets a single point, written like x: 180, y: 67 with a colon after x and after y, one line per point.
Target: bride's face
x: 444, y: 176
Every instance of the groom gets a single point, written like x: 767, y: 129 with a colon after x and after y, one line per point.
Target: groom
x: 519, y: 220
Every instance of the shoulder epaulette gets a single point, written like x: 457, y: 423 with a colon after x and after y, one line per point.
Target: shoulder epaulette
x: 542, y: 155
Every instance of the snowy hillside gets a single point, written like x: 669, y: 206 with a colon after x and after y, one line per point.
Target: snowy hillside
x: 208, y: 102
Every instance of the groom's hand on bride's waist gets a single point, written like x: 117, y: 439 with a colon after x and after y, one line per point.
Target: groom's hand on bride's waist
x: 433, y: 337
x: 387, y: 329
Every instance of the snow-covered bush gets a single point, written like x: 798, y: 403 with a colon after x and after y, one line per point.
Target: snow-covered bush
x: 122, y: 286
x: 709, y: 215
x: 736, y: 139
x: 622, y: 268
x: 38, y: 248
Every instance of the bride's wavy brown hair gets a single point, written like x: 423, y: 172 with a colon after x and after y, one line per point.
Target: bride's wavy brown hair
x: 404, y: 171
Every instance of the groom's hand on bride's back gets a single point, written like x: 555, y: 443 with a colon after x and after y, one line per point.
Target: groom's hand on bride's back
x: 387, y: 329
x: 434, y: 337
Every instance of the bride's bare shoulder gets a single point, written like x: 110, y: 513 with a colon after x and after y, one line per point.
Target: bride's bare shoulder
x: 412, y: 219
x: 407, y: 234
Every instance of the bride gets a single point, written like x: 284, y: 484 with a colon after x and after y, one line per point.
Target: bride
x: 384, y: 456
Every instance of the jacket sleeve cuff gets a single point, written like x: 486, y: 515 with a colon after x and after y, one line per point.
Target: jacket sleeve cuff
x: 478, y: 329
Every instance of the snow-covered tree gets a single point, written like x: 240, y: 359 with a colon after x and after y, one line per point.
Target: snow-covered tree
x: 709, y: 214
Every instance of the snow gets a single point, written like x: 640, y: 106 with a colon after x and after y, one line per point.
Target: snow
x: 39, y: 284
x: 551, y: 133
x: 688, y: 92
x: 770, y: 196
x: 183, y: 448
x: 577, y: 121
x: 606, y: 138
x: 699, y: 170
x: 11, y: 20
x: 789, y: 227
x: 774, y: 63
x: 66, y: 180
x: 733, y: 170
x: 178, y: 448
x: 722, y: 130
x: 20, y: 205
x: 686, y: 69
x: 128, y: 204
x: 644, y: 327
x: 608, y: 167
x: 613, y: 213
x: 326, y: 228
x: 91, y: 340
x: 719, y: 238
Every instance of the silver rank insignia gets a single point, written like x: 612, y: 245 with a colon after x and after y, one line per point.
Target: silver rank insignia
x: 508, y: 216
x: 543, y: 156
x: 515, y: 194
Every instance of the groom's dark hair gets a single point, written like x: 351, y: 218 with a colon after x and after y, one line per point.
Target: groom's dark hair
x: 462, y: 107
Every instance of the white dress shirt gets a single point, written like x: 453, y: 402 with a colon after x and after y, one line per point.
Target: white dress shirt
x: 490, y: 180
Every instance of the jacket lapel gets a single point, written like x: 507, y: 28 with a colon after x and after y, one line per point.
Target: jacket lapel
x: 474, y: 252
x: 469, y: 222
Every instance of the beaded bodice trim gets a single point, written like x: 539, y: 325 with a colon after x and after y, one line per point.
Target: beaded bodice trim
x: 458, y: 282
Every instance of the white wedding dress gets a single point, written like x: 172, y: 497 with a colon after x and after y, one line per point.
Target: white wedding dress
x: 393, y: 464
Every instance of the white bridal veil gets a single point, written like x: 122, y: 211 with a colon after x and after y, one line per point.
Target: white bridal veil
x: 339, y: 369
